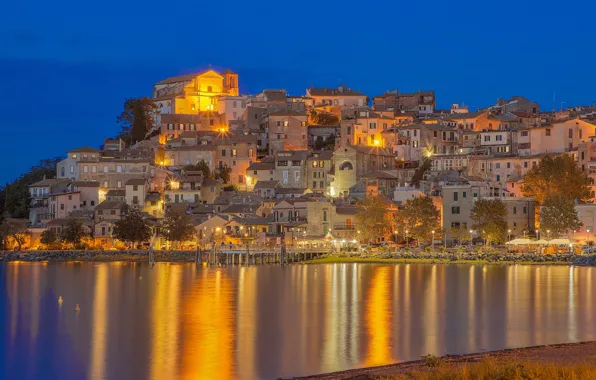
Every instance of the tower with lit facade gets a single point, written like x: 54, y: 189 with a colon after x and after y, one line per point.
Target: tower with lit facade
x: 194, y: 93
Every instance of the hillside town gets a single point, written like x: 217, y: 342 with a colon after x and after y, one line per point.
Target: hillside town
x: 301, y: 169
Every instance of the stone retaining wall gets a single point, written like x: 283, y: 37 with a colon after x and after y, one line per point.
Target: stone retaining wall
x: 96, y: 255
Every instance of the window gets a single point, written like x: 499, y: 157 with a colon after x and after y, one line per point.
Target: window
x: 525, y: 164
x: 85, y: 169
x: 463, y: 195
x: 234, y: 152
x: 303, y: 123
x: 314, y: 184
x: 524, y: 133
x: 92, y: 203
x: 240, y: 178
x: 455, y: 196
x: 525, y: 210
x: 498, y: 178
x: 373, y: 125
x: 105, y: 183
x: 209, y: 89
x: 94, y: 169
x: 250, y: 152
x: 135, y: 187
x: 548, y: 132
x: 286, y: 123
x: 112, y: 212
x: 70, y: 197
x: 570, y: 133
x: 135, y: 200
x: 487, y: 138
x: 498, y: 165
x: 99, y: 212
x: 61, y: 206
x: 455, y: 210
x: 118, y: 169
x: 514, y: 210
x: 62, y: 171
x: 509, y: 165
x: 71, y: 169
x: 119, y: 184
x: 324, y: 215
x: 434, y: 133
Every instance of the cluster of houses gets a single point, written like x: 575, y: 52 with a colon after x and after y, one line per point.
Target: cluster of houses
x: 298, y: 164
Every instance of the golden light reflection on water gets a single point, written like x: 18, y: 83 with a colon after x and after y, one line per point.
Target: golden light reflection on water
x: 269, y: 322
x: 99, y: 338
x: 208, y: 335
x: 378, y: 319
x: 165, y: 322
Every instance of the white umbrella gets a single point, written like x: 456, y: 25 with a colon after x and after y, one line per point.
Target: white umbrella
x: 560, y: 241
x: 540, y: 242
x: 520, y: 242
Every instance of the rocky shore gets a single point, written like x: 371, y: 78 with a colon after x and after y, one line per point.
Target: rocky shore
x: 97, y: 255
x: 558, y: 355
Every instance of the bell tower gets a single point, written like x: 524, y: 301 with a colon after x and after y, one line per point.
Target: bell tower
x: 230, y: 83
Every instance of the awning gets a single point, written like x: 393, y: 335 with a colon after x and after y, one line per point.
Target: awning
x: 520, y: 242
x: 560, y: 241
x: 540, y: 242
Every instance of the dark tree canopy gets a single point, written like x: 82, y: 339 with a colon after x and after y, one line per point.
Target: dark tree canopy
x: 224, y: 174
x: 73, y: 232
x: 132, y: 227
x: 489, y: 216
x: 420, y: 171
x: 178, y: 227
x: 420, y: 217
x: 48, y: 237
x: 373, y: 220
x: 14, y: 197
x: 323, y: 118
x: 137, y: 118
x: 201, y: 166
x: 556, y: 176
x: 558, y: 215
x: 15, y: 229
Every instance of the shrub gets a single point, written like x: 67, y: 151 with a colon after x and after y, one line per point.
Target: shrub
x: 431, y: 360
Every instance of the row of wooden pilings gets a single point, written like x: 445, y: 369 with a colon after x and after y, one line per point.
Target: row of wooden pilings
x: 237, y: 257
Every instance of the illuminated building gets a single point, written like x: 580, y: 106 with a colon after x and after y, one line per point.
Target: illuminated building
x: 192, y: 93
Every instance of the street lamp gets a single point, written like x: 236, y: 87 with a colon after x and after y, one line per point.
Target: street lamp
x: 433, y: 241
x: 471, y: 237
x: 395, y: 236
x: 537, y: 234
x: 407, y: 242
x: 548, y: 235
x: 508, y: 235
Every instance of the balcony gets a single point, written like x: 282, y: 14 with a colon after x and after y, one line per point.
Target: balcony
x: 344, y: 227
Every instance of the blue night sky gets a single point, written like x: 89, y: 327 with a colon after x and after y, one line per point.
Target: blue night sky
x: 66, y: 67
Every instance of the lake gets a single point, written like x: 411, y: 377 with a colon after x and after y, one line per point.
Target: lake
x: 179, y: 321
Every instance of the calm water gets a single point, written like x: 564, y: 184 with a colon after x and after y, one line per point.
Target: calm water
x: 177, y: 321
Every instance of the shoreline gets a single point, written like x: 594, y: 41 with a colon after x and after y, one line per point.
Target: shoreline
x: 179, y: 256
x: 557, y: 354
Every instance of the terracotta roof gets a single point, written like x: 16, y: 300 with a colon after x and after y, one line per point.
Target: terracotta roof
x: 116, y: 193
x: 333, y: 92
x: 260, y: 165
x: 86, y: 183
x: 287, y: 113
x: 108, y: 205
x: 49, y: 182
x: 84, y: 149
x: 267, y: 185
x: 136, y: 181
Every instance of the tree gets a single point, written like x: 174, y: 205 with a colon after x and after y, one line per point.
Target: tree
x: 460, y: 234
x: 73, y: 232
x: 372, y: 219
x: 230, y: 188
x: 48, y: 237
x: 224, y: 174
x: 178, y: 227
x: 201, y: 166
x: 420, y: 217
x: 138, y: 118
x: 556, y: 176
x: 16, y: 229
x: 420, y: 171
x: 132, y: 227
x: 15, y: 196
x: 489, y: 217
x: 558, y: 215
x: 322, y: 118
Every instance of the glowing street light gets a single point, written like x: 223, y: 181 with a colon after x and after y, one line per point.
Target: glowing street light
x: 433, y: 241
